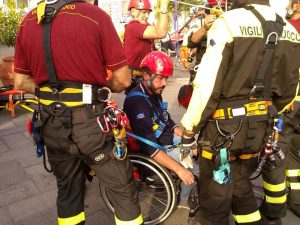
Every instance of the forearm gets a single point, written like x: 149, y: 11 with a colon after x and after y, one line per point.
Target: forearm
x: 162, y: 24
x: 162, y: 158
x: 199, y: 35
x: 24, y: 82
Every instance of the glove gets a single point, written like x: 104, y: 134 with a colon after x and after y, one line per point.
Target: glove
x: 187, y: 145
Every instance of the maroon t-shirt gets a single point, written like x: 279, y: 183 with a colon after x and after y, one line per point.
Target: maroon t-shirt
x: 84, y: 43
x: 136, y: 47
x: 296, y: 24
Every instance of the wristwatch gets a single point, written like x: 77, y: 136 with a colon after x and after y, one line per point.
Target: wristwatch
x: 163, y: 10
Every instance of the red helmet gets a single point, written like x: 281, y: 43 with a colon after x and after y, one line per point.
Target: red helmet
x: 159, y: 63
x: 215, y: 2
x: 139, y: 4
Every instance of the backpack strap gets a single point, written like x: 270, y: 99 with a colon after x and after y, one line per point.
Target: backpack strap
x: 272, y: 32
x: 46, y: 12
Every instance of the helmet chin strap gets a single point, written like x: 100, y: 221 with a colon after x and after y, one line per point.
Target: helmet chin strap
x: 149, y: 82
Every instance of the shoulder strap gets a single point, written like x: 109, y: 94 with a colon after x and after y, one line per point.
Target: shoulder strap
x: 272, y: 31
x: 50, y: 11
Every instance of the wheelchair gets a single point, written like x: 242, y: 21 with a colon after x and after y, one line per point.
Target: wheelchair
x: 157, y: 188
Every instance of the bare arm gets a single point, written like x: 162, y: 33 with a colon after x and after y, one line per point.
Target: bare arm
x: 24, y: 82
x: 185, y: 175
x: 120, y: 80
x: 201, y: 32
x: 160, y: 30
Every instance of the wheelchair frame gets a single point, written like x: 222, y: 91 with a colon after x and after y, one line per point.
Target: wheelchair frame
x: 157, y: 189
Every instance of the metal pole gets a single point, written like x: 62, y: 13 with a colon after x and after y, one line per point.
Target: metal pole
x: 198, y: 6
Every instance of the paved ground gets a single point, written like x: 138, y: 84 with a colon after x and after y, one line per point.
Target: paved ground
x: 28, y: 192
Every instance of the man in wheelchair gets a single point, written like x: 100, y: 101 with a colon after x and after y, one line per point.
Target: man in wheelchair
x: 150, y: 120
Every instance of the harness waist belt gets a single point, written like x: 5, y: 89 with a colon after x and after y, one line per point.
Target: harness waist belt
x: 69, y: 96
x: 210, y: 156
x: 136, y: 71
x: 259, y: 108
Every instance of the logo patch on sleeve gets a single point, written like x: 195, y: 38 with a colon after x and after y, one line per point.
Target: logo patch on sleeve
x: 212, y: 42
x: 140, y: 116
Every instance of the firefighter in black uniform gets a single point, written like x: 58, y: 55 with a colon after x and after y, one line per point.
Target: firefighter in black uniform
x: 292, y: 132
x: 248, y: 73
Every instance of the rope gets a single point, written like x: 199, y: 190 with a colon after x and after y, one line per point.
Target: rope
x: 176, y: 28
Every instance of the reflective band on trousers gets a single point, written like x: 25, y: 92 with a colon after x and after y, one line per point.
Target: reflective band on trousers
x: 276, y: 200
x: 248, y: 218
x: 293, y: 186
x: 137, y: 221
x: 274, y: 187
x: 293, y: 173
x: 72, y: 220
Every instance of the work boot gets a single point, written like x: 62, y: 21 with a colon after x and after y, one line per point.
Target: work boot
x: 270, y: 221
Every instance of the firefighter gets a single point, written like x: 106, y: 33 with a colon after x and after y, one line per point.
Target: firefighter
x: 84, y: 44
x: 292, y: 131
x: 248, y: 73
x: 139, y: 34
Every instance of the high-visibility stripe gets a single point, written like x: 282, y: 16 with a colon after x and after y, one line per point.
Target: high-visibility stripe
x: 137, y: 221
x: 293, y: 186
x: 293, y: 173
x: 248, y: 218
x: 72, y: 220
x: 206, y: 154
x: 276, y: 200
x: 274, y: 187
x: 70, y: 104
x: 297, y: 99
x: 66, y: 90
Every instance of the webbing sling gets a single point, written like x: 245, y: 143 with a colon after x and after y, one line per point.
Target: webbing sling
x: 272, y: 31
x: 51, y: 10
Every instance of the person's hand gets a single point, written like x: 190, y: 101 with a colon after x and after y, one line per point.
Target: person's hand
x: 188, y: 145
x: 185, y: 175
x: 208, y: 21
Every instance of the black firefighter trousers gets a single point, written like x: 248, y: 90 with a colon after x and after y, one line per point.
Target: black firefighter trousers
x: 72, y: 138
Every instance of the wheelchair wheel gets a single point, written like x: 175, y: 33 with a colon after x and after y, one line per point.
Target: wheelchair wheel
x: 156, y: 188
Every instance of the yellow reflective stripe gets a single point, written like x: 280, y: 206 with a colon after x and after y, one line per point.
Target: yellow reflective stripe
x: 293, y: 173
x: 66, y: 90
x: 297, y: 99
x: 293, y: 186
x: 206, y: 154
x: 70, y: 104
x: 248, y: 218
x: 72, y: 220
x: 274, y: 187
x: 137, y: 221
x: 276, y: 200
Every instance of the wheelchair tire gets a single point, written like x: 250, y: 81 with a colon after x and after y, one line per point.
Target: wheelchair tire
x: 157, y: 190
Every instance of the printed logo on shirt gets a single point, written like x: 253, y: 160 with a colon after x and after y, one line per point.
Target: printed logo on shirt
x: 140, y: 116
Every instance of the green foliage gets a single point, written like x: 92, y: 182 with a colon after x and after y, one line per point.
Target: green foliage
x: 181, y: 8
x: 10, y: 20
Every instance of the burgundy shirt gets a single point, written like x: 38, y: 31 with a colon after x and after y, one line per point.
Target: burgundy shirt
x: 84, y: 44
x: 296, y: 24
x: 136, y: 47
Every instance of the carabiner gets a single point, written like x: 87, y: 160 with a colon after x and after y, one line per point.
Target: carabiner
x: 106, y: 130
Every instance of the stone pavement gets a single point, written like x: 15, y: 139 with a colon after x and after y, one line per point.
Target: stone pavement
x: 28, y: 192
